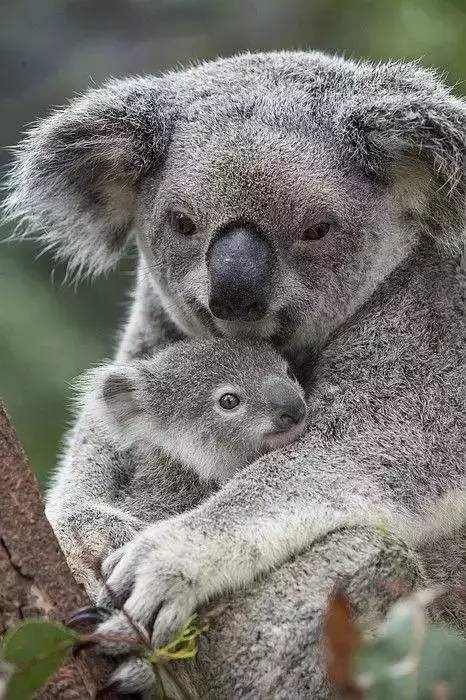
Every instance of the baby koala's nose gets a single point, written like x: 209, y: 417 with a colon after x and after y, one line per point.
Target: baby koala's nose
x: 291, y: 413
x: 286, y: 420
x: 287, y: 407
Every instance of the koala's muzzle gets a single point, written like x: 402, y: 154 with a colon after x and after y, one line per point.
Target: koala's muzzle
x: 286, y: 405
x: 241, y: 263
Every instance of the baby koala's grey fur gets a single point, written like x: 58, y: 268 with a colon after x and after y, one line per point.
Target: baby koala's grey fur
x: 170, y: 402
x: 281, y: 141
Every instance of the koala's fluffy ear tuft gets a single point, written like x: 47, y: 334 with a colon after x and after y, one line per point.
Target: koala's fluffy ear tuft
x: 119, y: 394
x: 75, y: 176
x: 415, y: 118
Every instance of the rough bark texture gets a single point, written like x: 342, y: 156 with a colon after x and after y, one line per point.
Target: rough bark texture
x: 34, y: 578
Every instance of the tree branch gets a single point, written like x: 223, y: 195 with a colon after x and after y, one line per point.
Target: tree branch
x: 35, y: 579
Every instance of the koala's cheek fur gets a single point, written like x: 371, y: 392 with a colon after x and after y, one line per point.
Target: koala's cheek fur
x: 175, y: 267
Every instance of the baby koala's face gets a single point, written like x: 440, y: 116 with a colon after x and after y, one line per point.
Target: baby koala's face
x: 215, y: 405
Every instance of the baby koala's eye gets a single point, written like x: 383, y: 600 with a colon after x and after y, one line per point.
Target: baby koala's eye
x: 228, y: 401
x: 319, y: 230
x: 183, y: 224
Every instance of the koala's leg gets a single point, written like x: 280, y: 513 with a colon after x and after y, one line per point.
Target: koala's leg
x: 88, y: 534
x: 267, y: 643
x: 83, y: 506
x: 100, y: 498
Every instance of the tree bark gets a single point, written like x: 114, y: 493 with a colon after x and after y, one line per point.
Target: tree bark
x: 35, y: 580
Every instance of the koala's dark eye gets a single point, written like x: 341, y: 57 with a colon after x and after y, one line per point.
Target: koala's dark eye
x: 228, y: 401
x: 313, y: 233
x: 183, y: 224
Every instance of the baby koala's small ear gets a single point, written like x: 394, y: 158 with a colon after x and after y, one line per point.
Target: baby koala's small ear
x: 119, y: 394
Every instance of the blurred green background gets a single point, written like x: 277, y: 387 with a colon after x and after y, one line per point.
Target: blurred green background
x: 52, y: 49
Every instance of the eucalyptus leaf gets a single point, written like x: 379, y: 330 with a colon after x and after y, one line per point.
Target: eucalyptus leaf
x: 377, y: 673
x: 442, y: 662
x: 411, y: 660
x: 35, y: 648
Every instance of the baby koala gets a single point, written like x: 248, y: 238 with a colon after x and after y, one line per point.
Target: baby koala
x: 214, y: 405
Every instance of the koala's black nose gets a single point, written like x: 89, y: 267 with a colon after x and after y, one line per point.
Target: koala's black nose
x: 286, y: 420
x: 286, y: 403
x: 241, y: 264
x: 290, y: 414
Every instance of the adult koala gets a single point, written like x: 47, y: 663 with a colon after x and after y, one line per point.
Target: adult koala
x: 296, y: 197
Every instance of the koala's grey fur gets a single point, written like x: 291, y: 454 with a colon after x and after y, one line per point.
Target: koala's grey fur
x: 169, y: 402
x: 283, y: 140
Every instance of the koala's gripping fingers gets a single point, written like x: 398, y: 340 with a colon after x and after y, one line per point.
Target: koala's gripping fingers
x: 116, y: 588
x: 159, y: 580
x: 112, y: 561
x: 145, y: 620
x: 122, y: 635
x: 118, y: 571
x: 134, y: 677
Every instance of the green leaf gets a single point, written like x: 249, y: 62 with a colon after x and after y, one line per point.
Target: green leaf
x: 184, y: 646
x: 35, y: 648
x: 375, y: 664
x: 443, y: 661
x: 410, y: 659
x: 399, y: 637
x: 404, y: 628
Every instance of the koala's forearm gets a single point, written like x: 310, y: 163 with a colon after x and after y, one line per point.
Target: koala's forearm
x: 278, y: 507
x: 287, y: 500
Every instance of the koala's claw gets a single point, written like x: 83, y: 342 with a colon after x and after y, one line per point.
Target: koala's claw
x: 118, y: 635
x: 158, y: 577
x: 90, y: 615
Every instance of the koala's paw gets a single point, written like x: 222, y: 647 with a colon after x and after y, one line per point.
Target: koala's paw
x: 134, y: 676
x: 160, y: 579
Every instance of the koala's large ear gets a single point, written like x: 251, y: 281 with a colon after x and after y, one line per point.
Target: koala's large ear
x: 75, y: 176
x: 418, y: 122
